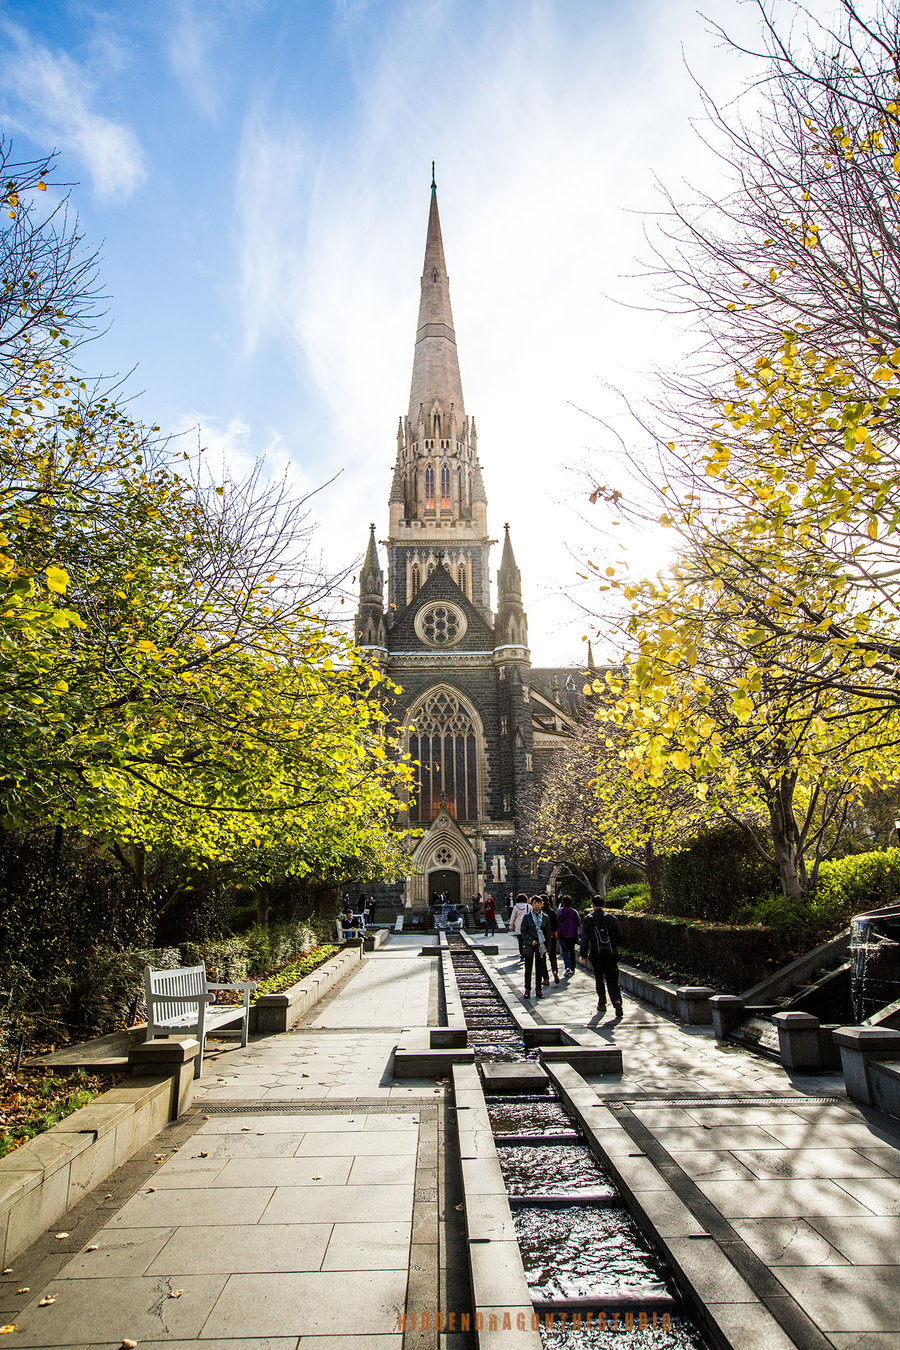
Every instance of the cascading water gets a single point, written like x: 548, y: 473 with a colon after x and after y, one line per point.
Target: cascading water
x: 875, y: 960
x: 594, y: 1281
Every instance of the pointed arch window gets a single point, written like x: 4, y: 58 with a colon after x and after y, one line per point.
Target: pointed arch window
x: 462, y: 580
x: 429, y: 488
x: 445, y: 488
x: 415, y: 580
x: 444, y: 736
x: 437, y: 424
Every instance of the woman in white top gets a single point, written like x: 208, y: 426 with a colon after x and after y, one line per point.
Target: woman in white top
x: 519, y: 910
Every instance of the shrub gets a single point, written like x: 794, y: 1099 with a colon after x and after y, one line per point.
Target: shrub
x: 713, y: 874
x: 854, y: 885
x: 248, y: 955
x: 615, y: 895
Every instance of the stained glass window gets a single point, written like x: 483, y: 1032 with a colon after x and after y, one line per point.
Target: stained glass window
x: 429, y: 488
x: 443, y: 740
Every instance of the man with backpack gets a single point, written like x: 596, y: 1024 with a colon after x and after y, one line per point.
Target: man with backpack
x: 601, y: 934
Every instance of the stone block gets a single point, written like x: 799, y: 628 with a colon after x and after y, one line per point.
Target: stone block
x: 858, y: 1047
x: 727, y: 1012
x: 884, y: 1086
x: 693, y: 1005
x: 447, y: 1038
x: 513, y: 1077
x: 798, y: 1040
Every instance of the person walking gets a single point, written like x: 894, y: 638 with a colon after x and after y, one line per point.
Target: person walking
x: 568, y: 926
x: 553, y: 944
x: 490, y: 916
x: 535, y: 930
x: 476, y: 906
x: 601, y: 934
x: 517, y: 914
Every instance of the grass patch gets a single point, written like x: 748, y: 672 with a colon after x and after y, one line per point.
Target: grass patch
x: 31, y: 1104
x: 282, y: 979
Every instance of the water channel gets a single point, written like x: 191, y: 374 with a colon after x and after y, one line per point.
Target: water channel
x: 594, y: 1279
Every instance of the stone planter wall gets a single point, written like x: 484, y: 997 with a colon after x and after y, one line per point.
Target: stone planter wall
x: 41, y: 1180
x: 272, y: 1013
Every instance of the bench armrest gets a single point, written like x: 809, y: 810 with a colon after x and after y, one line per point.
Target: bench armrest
x: 249, y: 984
x: 180, y: 998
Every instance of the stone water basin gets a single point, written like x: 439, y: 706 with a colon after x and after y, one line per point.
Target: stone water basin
x: 582, y: 1251
x: 552, y: 1169
x: 534, y: 1115
x: 680, y: 1335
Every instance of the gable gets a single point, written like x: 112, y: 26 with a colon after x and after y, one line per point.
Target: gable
x: 430, y: 621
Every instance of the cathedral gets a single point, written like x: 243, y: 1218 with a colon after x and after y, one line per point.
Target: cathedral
x: 479, y: 720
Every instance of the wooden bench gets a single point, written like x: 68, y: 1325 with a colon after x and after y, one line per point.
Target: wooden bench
x: 183, y: 1000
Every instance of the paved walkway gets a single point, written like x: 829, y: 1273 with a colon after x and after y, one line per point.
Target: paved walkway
x: 280, y: 1211
x: 804, y: 1198
x: 303, y: 1201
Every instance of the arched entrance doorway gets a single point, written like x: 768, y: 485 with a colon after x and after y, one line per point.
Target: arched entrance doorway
x: 442, y: 881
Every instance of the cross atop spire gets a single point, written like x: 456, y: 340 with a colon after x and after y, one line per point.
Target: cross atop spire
x: 433, y: 183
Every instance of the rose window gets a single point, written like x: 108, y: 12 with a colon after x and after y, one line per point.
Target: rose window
x: 440, y: 625
x: 443, y: 855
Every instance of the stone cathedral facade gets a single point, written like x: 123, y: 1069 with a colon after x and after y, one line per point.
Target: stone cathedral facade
x: 476, y: 715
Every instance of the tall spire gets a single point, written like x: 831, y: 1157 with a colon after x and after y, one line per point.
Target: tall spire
x: 435, y: 377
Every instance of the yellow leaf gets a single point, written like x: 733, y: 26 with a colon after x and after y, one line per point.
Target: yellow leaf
x: 872, y: 529
x: 896, y: 164
x: 57, y: 580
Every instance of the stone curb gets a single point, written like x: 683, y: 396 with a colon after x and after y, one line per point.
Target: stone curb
x: 44, y: 1178
x: 499, y: 1287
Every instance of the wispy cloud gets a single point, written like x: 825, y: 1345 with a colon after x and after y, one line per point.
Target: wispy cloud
x: 49, y: 97
x: 190, y: 55
x: 547, y: 133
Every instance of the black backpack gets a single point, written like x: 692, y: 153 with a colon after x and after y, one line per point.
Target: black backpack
x: 601, y: 943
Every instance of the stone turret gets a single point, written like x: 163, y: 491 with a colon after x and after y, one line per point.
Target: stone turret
x: 511, y: 627
x: 370, y: 626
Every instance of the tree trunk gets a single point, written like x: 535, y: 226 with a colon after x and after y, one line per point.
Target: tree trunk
x: 653, y: 867
x: 602, y: 869
x: 786, y: 845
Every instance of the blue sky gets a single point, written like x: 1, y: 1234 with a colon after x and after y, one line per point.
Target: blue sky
x: 256, y: 175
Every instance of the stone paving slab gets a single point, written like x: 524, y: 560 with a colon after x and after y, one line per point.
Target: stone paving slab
x: 334, y: 1303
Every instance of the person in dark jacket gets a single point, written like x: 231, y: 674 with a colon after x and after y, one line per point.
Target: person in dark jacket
x: 535, y: 938
x: 568, y: 922
x: 552, y: 945
x: 601, y: 934
x: 490, y: 916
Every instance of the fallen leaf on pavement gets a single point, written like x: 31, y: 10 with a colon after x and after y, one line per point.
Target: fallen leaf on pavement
x: 128, y: 1345
x: 26, y: 1289
x: 46, y: 1300
x: 10, y: 1326
x: 175, y: 1293
x: 460, y: 1206
x: 93, y: 1247
x: 61, y: 1235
